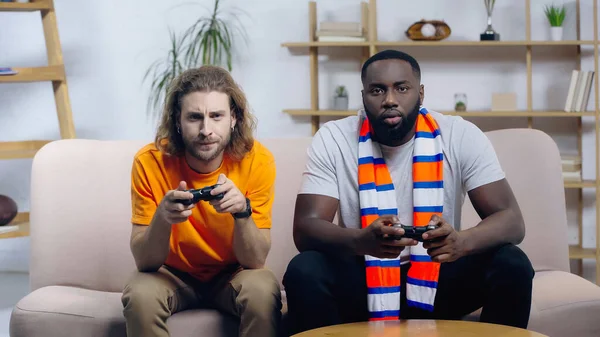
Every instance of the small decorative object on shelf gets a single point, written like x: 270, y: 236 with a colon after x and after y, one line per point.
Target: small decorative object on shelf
x: 8, y: 210
x: 556, y: 16
x: 428, y: 30
x: 489, y: 34
x: 460, y: 102
x: 340, y: 100
x: 20, y: 1
x: 571, y: 167
x: 7, y: 71
x: 332, y: 31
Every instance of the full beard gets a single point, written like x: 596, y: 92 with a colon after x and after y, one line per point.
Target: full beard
x: 393, y: 135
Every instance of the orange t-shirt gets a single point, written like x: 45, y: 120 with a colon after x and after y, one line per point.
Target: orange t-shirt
x: 202, y: 245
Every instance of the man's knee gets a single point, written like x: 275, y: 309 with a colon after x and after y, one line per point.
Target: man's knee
x: 305, y: 269
x: 513, y: 264
x: 259, y: 292
x: 143, y: 292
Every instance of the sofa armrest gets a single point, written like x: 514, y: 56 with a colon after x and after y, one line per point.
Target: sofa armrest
x: 564, y: 304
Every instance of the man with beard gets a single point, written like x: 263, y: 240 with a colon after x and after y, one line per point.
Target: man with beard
x: 399, y: 163
x: 210, y: 253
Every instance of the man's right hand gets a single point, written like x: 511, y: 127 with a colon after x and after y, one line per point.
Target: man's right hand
x: 373, y: 240
x: 171, y: 211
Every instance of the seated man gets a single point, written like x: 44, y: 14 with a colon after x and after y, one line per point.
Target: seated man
x: 396, y: 162
x: 210, y: 253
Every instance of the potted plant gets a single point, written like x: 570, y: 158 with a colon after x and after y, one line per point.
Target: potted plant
x: 460, y: 102
x: 340, y: 100
x: 556, y: 16
x: 208, y: 41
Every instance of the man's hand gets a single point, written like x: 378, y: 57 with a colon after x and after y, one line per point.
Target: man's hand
x: 233, y: 201
x: 374, y: 240
x: 445, y: 244
x: 171, y: 211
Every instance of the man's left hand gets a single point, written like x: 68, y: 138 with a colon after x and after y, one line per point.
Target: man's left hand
x: 443, y: 244
x: 233, y: 201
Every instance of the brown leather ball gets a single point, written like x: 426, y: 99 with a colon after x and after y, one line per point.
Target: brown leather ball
x: 8, y: 210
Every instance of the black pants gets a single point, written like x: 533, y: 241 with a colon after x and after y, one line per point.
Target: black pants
x: 325, y: 290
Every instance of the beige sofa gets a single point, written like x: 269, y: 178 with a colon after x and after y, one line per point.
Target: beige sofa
x: 80, y: 258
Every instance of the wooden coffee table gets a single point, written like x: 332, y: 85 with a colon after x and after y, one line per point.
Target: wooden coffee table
x: 419, y: 328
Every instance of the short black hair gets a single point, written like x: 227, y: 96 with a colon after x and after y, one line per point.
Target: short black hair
x: 392, y: 54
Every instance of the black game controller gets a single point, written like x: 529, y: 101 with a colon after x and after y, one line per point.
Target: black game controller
x: 412, y: 232
x: 201, y: 194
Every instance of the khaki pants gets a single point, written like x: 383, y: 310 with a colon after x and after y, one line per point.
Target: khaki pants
x: 252, y: 295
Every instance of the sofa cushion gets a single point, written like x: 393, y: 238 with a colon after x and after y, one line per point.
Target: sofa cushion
x: 48, y: 310
x: 194, y: 323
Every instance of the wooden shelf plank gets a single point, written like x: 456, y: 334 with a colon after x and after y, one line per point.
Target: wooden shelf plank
x: 22, y: 217
x: 342, y: 113
x: 519, y: 113
x: 563, y: 43
x: 576, y: 252
x: 37, y: 74
x: 25, y: 7
x: 21, y: 149
x: 438, y: 43
x: 580, y: 184
x: 479, y: 43
x: 325, y: 44
x: 303, y: 112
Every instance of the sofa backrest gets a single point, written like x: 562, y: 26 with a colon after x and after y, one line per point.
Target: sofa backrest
x: 81, y: 208
x: 532, y: 163
x: 290, y: 156
x: 80, y: 214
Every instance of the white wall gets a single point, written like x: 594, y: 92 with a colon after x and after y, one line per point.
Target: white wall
x: 108, y: 44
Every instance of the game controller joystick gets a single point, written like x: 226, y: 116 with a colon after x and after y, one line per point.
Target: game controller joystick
x: 413, y: 232
x: 201, y: 194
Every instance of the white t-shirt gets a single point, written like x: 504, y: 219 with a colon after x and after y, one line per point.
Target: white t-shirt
x: 332, y: 168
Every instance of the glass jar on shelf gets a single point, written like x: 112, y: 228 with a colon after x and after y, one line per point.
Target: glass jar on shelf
x: 460, y: 102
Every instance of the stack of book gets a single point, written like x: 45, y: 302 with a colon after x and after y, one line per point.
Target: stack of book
x: 571, y: 167
x: 330, y: 31
x: 579, y: 91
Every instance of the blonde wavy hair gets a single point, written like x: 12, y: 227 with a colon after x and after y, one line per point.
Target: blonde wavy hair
x: 204, y: 79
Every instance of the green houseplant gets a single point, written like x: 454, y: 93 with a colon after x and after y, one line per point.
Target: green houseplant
x: 556, y: 16
x: 208, y: 41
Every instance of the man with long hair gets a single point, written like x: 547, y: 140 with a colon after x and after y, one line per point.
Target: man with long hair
x: 210, y: 252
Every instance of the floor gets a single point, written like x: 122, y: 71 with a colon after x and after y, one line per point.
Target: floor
x: 13, y: 286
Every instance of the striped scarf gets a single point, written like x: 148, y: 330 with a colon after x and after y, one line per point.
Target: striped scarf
x: 377, y: 198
